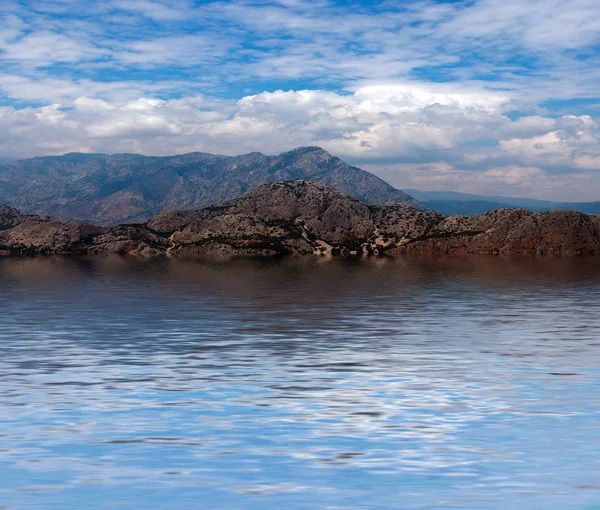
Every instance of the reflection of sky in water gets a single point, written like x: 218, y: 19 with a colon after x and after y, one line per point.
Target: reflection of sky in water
x: 299, y: 384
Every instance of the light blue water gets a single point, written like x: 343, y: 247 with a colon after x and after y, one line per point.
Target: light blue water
x: 299, y: 384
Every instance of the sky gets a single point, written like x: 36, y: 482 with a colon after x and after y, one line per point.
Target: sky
x: 480, y: 96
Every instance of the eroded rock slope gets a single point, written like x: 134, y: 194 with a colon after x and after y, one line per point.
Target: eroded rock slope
x: 303, y: 217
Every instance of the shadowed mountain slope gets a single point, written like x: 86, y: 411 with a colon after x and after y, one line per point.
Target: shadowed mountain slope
x: 110, y: 189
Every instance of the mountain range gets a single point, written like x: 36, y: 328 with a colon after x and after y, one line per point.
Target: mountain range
x: 124, y: 188
x: 114, y: 189
x: 451, y: 202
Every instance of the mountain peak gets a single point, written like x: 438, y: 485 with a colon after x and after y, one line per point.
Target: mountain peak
x: 313, y: 149
x: 112, y: 189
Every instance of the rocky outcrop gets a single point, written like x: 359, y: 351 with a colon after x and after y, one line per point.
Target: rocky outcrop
x: 30, y: 234
x: 303, y: 217
x: 512, y: 231
x: 127, y: 240
x: 298, y: 217
x: 40, y: 235
x: 46, y: 236
x: 293, y: 217
x: 9, y: 217
x: 111, y: 189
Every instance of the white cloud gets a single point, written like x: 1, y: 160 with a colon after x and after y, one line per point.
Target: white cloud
x: 524, y: 46
x: 84, y: 104
x: 373, y: 122
x: 174, y: 10
x: 511, y: 180
x: 528, y: 126
x: 183, y: 50
x: 380, y: 122
x: 588, y: 162
x: 45, y: 90
x: 544, y: 25
x: 389, y: 129
x: 44, y: 47
x: 399, y: 121
x: 572, y: 141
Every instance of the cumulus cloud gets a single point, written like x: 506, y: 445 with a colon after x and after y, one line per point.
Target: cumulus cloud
x: 373, y: 122
x: 414, y: 135
x: 570, y: 141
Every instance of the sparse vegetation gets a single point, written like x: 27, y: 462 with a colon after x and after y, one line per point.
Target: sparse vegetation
x: 303, y: 217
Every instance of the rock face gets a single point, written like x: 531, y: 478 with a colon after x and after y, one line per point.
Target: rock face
x: 289, y: 217
x: 512, y: 231
x: 303, y: 217
x: 25, y: 234
x: 292, y: 217
x: 9, y: 217
x: 108, y: 190
x: 38, y: 234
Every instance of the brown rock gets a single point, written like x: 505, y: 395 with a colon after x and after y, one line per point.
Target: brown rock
x: 513, y: 231
x: 300, y: 217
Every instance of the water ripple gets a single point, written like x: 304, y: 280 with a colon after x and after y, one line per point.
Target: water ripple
x: 298, y: 383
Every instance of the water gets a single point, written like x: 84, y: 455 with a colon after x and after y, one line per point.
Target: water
x: 299, y: 384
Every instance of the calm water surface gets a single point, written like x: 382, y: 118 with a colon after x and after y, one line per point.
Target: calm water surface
x: 299, y: 384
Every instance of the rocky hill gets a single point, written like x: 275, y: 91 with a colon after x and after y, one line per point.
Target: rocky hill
x: 303, y: 217
x: 25, y: 234
x: 512, y: 231
x: 111, y: 189
x: 292, y: 217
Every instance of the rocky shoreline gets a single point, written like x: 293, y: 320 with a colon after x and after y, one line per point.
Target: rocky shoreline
x: 303, y: 217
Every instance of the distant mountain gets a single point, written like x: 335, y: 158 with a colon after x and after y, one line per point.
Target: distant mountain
x: 467, y: 208
x: 451, y: 202
x: 584, y: 207
x: 455, y: 196
x: 110, y: 189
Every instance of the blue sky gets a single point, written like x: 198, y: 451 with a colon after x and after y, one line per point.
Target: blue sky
x: 478, y: 96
